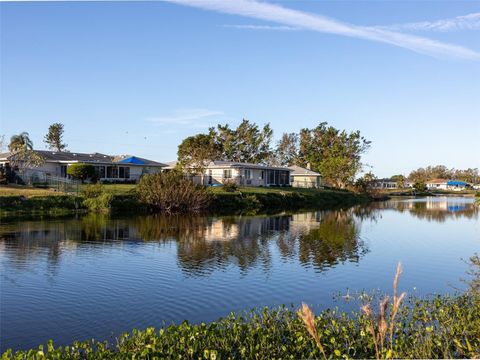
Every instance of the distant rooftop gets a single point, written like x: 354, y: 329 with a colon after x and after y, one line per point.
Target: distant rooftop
x: 222, y: 164
x: 300, y: 171
x: 67, y: 156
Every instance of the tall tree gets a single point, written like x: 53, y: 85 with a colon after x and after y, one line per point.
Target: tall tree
x: 287, y: 150
x: 431, y: 172
x: 335, y: 154
x: 196, y: 152
x: 54, y: 137
x: 22, y: 154
x: 20, y: 142
x: 400, y: 180
x: 246, y: 143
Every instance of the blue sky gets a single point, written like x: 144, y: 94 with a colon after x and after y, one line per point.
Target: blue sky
x: 138, y: 77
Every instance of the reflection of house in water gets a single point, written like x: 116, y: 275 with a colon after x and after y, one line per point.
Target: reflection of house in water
x: 225, y: 229
x: 304, y: 222
x: 203, y: 244
x: 433, y: 208
x: 445, y: 205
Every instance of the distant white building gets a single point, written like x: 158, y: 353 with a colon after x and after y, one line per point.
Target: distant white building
x: 304, y: 177
x: 383, y: 184
x: 445, y: 184
x: 437, y: 184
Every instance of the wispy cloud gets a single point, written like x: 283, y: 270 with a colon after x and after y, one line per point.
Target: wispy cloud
x: 464, y: 22
x: 315, y: 22
x: 185, y: 117
x: 263, y: 27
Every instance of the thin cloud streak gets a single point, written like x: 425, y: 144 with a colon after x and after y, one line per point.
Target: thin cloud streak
x: 303, y: 20
x: 262, y: 27
x: 185, y: 117
x: 464, y: 22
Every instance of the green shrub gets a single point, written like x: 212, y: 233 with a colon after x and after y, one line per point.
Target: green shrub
x: 420, y: 186
x: 81, y: 171
x: 230, y: 186
x: 96, y: 198
x: 171, y: 192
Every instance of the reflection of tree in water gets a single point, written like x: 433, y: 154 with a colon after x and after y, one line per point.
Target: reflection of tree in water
x: 203, y: 243
x: 432, y: 209
x: 241, y: 241
x: 335, y: 240
x: 28, y: 240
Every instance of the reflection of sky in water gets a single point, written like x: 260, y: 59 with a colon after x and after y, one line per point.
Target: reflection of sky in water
x: 94, y: 276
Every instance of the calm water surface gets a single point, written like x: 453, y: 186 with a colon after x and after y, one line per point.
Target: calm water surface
x: 96, y: 276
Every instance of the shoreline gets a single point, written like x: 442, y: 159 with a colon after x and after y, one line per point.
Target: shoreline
x: 244, y: 201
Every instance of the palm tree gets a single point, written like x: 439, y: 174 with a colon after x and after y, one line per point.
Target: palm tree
x: 20, y: 142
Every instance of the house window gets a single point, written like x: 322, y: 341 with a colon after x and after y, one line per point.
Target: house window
x: 262, y: 175
x: 112, y: 172
x: 248, y: 174
x: 124, y: 172
x: 63, y: 170
x: 100, y: 172
x: 227, y: 174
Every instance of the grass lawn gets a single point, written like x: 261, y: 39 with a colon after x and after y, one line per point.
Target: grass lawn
x: 20, y: 190
x: 119, y: 188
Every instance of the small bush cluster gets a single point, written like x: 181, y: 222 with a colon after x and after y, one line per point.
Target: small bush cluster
x: 172, y: 192
x: 95, y: 198
x: 230, y: 186
x: 81, y: 171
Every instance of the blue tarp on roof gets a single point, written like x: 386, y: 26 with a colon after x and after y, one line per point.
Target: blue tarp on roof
x: 132, y: 160
x: 456, y: 183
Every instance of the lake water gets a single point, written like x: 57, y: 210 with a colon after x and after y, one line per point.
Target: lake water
x: 95, y: 277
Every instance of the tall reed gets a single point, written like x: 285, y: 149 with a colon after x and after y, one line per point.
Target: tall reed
x: 384, y: 323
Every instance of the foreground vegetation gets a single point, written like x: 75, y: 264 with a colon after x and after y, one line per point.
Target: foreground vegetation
x: 442, y: 327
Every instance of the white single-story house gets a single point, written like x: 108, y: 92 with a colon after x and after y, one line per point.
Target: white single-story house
x: 437, y: 184
x: 383, y: 184
x: 304, y: 177
x: 107, y: 168
x: 445, y: 184
x: 245, y: 174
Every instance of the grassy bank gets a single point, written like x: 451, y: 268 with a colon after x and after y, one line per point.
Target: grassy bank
x: 441, y: 327
x: 273, y: 199
x: 22, y: 201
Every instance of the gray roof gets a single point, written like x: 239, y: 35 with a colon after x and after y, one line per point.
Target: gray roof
x: 64, y: 156
x: 300, y: 171
x: 384, y: 180
x: 140, y: 159
x: 219, y: 164
x: 222, y: 164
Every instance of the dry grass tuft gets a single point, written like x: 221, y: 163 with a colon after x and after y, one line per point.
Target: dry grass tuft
x: 383, y: 323
x: 308, y: 318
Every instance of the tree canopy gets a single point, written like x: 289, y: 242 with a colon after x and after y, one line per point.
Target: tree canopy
x: 442, y: 172
x: 54, y: 137
x: 246, y: 143
x: 22, y: 154
x: 286, y: 152
x: 196, y: 152
x: 20, y: 142
x: 333, y: 153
